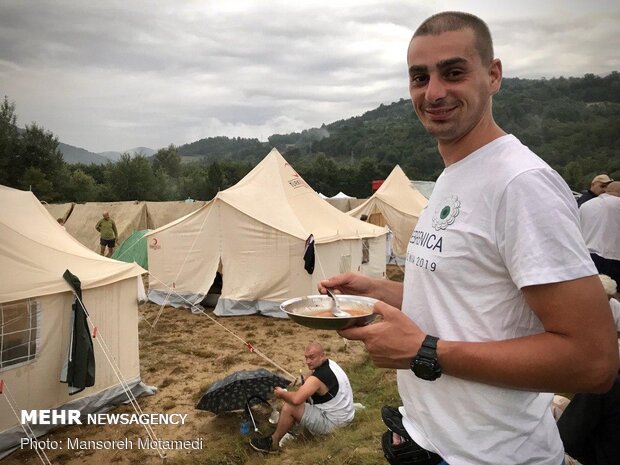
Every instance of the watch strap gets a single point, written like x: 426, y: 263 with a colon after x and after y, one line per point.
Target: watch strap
x: 428, y: 349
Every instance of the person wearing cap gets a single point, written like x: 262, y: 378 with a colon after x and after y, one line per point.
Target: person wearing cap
x: 600, y: 226
x: 597, y: 187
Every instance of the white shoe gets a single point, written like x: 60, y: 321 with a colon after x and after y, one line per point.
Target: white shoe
x: 286, y: 438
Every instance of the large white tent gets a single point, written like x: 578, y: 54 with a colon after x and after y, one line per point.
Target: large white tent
x: 255, y: 234
x: 36, y: 315
x: 396, y: 204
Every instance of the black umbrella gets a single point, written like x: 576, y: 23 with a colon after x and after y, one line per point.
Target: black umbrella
x: 240, y: 389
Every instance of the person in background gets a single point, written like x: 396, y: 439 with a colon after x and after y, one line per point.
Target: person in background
x: 600, y: 224
x: 597, y: 187
x: 501, y: 304
x: 590, y: 424
x: 107, y: 229
x: 323, y: 402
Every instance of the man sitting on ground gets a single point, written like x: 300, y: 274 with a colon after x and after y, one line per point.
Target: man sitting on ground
x: 323, y: 403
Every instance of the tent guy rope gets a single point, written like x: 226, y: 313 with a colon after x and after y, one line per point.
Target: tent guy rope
x: 117, y: 372
x: 197, y: 309
x: 4, y: 389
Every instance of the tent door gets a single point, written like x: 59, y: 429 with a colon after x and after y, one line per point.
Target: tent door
x: 214, y: 292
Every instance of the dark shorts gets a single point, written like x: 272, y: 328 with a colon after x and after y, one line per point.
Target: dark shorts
x: 111, y: 243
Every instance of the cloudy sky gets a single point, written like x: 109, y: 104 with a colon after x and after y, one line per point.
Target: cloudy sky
x: 113, y: 75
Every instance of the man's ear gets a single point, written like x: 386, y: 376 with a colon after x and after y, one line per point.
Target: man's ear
x: 495, y: 75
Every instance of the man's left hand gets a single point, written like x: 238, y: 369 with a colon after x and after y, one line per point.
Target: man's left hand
x: 391, y: 342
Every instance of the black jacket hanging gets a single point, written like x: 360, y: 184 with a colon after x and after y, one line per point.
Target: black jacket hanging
x: 80, y: 366
x: 309, y: 254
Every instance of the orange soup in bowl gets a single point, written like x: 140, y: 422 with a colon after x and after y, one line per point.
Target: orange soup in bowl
x: 329, y: 314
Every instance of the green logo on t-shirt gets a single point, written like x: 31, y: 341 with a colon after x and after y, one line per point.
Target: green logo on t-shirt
x: 446, y: 212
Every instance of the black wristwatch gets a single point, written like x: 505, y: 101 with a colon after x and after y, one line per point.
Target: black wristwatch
x: 425, y: 364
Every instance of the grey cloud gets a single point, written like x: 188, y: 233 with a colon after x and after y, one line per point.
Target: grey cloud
x: 112, y: 75
x: 556, y: 46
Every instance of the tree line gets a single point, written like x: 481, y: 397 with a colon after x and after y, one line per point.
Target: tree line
x: 572, y: 123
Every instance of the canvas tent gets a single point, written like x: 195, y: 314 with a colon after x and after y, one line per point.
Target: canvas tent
x: 128, y: 216
x: 161, y: 213
x: 343, y: 202
x: 133, y: 249
x: 36, y: 314
x: 254, y: 233
x: 59, y: 210
x: 396, y: 204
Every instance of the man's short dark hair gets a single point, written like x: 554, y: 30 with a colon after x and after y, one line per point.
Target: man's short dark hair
x: 449, y: 21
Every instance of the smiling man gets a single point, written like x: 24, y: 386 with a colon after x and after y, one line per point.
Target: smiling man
x: 508, y: 308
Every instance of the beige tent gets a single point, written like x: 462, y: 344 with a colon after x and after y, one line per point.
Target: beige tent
x: 162, y: 213
x: 396, y: 204
x: 255, y: 233
x: 342, y: 201
x: 36, y: 315
x: 128, y: 216
x: 59, y: 210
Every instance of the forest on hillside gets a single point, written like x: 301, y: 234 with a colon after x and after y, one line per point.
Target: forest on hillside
x: 572, y: 123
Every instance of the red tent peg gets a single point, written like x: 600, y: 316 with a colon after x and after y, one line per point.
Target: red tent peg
x: 95, y: 331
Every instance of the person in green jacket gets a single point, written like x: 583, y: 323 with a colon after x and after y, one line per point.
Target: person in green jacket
x: 107, y: 228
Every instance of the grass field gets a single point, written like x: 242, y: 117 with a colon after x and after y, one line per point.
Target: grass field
x: 185, y: 353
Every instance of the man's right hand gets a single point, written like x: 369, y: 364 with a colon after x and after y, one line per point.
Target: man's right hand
x: 348, y: 283
x: 383, y: 289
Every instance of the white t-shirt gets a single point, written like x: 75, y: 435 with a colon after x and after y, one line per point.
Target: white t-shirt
x: 497, y: 221
x: 340, y: 410
x: 600, y: 224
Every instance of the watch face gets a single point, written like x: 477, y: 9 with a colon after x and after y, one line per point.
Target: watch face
x: 426, y: 370
x: 425, y: 364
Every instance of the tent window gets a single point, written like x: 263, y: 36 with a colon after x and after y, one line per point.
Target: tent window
x: 19, y: 332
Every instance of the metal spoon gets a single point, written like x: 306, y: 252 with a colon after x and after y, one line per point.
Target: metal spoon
x: 336, y: 308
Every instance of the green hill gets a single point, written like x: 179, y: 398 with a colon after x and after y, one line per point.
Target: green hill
x: 572, y: 123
